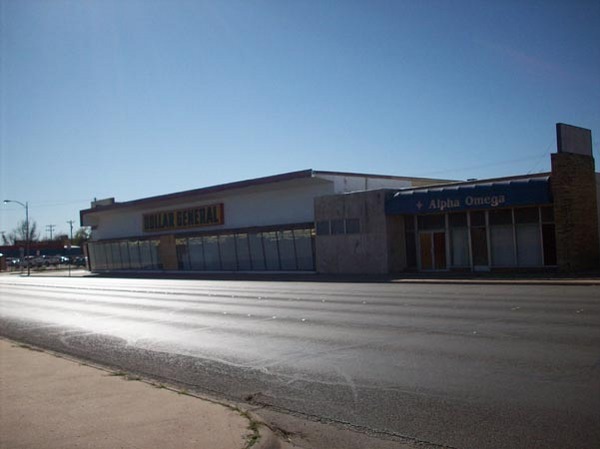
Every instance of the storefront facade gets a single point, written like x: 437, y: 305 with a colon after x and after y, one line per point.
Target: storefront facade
x: 331, y: 222
x: 265, y: 224
x: 504, y: 224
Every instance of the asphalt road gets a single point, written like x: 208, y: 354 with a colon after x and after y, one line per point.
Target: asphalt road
x: 464, y: 366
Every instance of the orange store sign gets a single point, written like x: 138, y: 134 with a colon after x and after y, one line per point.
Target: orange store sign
x: 196, y: 217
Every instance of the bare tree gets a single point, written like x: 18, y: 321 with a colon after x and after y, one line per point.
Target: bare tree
x: 19, y: 234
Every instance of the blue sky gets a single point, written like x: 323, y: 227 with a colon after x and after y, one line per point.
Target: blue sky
x: 129, y: 99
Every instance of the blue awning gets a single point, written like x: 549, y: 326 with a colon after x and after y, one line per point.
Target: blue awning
x: 490, y: 195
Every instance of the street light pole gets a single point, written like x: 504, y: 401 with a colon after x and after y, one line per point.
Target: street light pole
x: 26, y: 206
x: 70, y: 245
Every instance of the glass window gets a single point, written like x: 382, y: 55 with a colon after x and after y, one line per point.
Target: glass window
x: 477, y: 218
x: 527, y: 215
x: 183, y: 260
x: 409, y: 222
x: 243, y: 252
x: 271, y: 250
x: 196, y: 253
x: 125, y: 262
x: 337, y: 227
x: 529, y: 245
x: 115, y: 250
x: 257, y: 254
x: 228, y: 255
x: 108, y: 255
x: 460, y: 246
x: 502, y: 245
x: 304, y: 249
x: 500, y: 217
x: 323, y: 227
x: 212, y: 258
x: 134, y: 255
x: 457, y: 220
x: 479, y: 246
x: 145, y: 255
x: 156, y: 262
x: 287, y: 252
x: 101, y: 256
x: 430, y: 222
x: 91, y: 249
x: 352, y: 226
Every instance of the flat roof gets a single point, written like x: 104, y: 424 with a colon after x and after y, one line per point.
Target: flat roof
x: 301, y: 174
x: 475, y: 182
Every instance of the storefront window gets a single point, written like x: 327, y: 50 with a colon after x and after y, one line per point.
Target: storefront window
x: 529, y: 244
x: 212, y: 258
x: 431, y: 222
x: 459, y: 239
x: 183, y: 260
x: 304, y: 249
x: 145, y: 255
x: 479, y: 245
x: 228, y: 255
x: 115, y: 250
x: 257, y: 253
x: 156, y: 263
x: 271, y: 250
x: 134, y: 255
x: 502, y: 238
x: 125, y: 261
x: 196, y: 253
x: 287, y: 252
x: 243, y: 252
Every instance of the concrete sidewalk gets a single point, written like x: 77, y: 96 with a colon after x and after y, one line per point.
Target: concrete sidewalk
x: 47, y: 401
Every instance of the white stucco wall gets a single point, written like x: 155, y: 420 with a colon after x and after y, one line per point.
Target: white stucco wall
x: 280, y: 203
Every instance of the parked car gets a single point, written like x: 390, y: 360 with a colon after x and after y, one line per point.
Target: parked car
x: 80, y: 261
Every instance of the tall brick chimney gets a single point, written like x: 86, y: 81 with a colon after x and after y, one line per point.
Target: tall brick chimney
x: 575, y: 204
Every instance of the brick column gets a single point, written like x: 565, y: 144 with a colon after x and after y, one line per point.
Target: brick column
x: 575, y: 212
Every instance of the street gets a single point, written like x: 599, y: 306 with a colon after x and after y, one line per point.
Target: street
x: 462, y: 366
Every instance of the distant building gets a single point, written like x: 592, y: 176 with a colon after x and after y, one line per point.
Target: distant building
x: 333, y: 222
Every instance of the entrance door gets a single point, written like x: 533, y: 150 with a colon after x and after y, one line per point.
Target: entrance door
x: 433, y: 250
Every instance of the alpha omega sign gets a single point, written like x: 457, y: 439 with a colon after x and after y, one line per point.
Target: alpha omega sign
x: 196, y: 217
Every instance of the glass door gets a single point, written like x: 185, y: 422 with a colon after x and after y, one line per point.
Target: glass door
x: 433, y: 250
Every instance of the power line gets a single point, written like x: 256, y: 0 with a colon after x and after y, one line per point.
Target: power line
x: 50, y: 228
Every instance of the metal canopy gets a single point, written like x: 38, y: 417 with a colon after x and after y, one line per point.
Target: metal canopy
x: 484, y: 195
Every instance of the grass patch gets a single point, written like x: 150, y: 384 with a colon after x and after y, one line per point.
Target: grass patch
x: 253, y: 426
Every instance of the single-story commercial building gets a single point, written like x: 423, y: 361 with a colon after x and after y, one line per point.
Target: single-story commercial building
x: 334, y: 222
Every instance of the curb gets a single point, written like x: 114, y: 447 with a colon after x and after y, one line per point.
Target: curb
x: 268, y: 439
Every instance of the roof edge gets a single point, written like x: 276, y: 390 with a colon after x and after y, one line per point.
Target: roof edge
x: 309, y: 173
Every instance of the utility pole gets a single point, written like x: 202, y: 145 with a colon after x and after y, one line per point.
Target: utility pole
x: 50, y: 228
x: 70, y: 244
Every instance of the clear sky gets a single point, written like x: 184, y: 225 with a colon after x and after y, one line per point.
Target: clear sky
x: 129, y: 98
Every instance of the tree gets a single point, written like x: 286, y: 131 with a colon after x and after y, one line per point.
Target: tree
x: 19, y: 234
x: 81, y: 236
